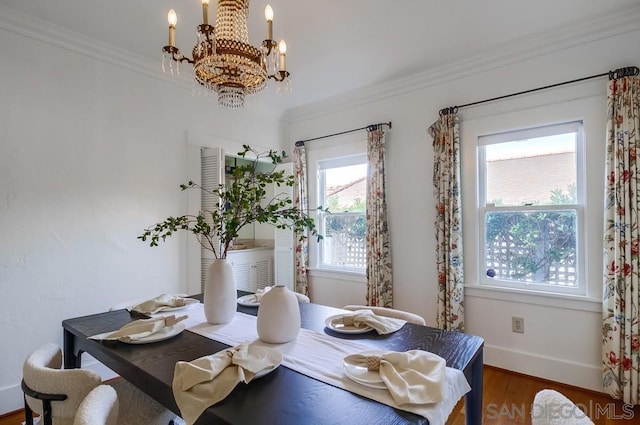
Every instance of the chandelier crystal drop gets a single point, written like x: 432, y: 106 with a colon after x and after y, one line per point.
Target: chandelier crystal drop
x: 223, y: 60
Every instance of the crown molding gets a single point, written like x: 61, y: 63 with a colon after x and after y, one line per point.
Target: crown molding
x: 37, y: 29
x: 28, y: 26
x: 617, y: 23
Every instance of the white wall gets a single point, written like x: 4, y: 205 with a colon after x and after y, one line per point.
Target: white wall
x: 91, y: 153
x: 562, y: 336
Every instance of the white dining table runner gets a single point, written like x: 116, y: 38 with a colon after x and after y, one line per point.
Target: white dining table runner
x: 320, y: 356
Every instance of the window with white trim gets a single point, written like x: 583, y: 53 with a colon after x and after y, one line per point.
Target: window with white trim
x: 342, y: 189
x: 530, y: 190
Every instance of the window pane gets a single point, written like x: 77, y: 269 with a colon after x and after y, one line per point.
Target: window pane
x: 344, y: 240
x: 344, y: 194
x: 346, y: 188
x: 531, y: 246
x: 537, y: 171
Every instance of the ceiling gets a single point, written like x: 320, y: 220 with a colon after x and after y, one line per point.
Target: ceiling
x: 334, y: 46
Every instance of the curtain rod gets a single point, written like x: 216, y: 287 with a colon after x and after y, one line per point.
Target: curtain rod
x: 618, y: 73
x: 369, y: 127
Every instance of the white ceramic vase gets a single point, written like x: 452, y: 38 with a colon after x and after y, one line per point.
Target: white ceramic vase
x: 278, y: 316
x: 220, y: 295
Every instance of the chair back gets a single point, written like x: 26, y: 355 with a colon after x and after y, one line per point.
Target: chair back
x: 42, y: 374
x: 302, y: 298
x: 99, y: 407
x: 553, y: 408
x: 389, y: 312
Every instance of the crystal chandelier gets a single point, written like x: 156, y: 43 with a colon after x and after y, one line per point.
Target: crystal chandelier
x: 223, y: 60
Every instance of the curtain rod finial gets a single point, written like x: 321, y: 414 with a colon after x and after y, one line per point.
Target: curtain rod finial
x: 299, y: 143
x: 627, y: 71
x: 448, y: 111
x: 373, y: 127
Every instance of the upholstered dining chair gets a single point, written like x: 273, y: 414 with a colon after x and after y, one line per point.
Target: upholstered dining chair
x: 302, y: 298
x: 553, y: 408
x: 99, y: 407
x: 389, y: 312
x: 56, y: 393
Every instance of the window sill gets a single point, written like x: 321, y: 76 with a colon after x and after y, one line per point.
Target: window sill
x: 338, y: 274
x: 548, y: 299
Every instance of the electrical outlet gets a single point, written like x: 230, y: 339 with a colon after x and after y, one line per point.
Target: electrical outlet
x: 517, y: 324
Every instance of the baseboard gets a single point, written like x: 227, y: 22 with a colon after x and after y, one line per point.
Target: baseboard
x: 570, y: 373
x: 11, y: 397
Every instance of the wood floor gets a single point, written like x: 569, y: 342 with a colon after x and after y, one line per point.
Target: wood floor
x: 508, y: 398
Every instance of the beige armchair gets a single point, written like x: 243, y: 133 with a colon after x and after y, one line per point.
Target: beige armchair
x: 56, y: 394
x: 552, y: 408
x: 99, y: 407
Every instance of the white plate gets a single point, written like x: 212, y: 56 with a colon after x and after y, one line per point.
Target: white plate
x: 359, y: 373
x: 331, y: 323
x: 274, y: 356
x: 248, y: 301
x: 166, y: 333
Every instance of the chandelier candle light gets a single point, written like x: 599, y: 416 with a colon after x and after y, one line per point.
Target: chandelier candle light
x: 223, y: 60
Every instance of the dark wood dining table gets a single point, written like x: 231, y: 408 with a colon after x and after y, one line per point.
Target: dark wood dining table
x: 284, y: 396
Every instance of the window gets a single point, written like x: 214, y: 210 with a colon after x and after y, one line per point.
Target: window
x: 342, y: 189
x: 530, y: 208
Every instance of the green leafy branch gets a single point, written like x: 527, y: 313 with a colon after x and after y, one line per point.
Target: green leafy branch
x: 241, y: 202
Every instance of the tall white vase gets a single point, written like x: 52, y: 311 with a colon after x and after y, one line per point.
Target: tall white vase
x: 278, y: 316
x: 220, y: 295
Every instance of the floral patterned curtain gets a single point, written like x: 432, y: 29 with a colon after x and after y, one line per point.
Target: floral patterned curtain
x: 379, y: 281
x: 446, y: 181
x: 621, y: 299
x: 301, y: 251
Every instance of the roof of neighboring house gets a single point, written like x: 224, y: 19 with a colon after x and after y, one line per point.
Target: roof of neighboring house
x: 349, y: 192
x: 336, y: 189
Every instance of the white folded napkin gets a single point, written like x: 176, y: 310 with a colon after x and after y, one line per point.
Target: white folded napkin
x: 412, y: 377
x: 162, y: 302
x: 135, y: 330
x: 363, y: 318
x: 205, y: 381
x: 260, y: 293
